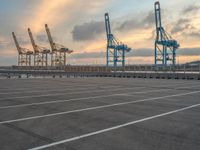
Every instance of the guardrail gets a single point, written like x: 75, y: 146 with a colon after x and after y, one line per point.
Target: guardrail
x: 120, y: 74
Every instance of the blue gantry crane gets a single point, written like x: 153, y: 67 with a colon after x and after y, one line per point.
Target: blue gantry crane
x: 165, y: 45
x: 116, y: 50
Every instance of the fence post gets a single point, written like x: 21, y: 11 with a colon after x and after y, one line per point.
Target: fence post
x: 184, y: 69
x: 199, y: 68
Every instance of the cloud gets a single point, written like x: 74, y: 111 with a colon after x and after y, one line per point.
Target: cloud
x: 186, y: 25
x: 195, y: 34
x: 191, y: 9
x: 135, y: 23
x: 181, y: 25
x: 149, y: 20
x: 8, y: 48
x: 92, y: 30
x: 134, y: 53
x: 48, y: 12
x: 57, y: 12
x: 88, y: 55
x: 70, y: 21
x: 8, y: 60
x: 23, y: 40
x: 186, y: 29
x: 5, y: 46
x: 88, y: 31
x: 42, y: 38
x: 141, y: 52
x: 189, y: 51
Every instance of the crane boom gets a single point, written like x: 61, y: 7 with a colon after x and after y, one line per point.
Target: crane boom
x: 158, y: 21
x: 165, y: 45
x: 58, y: 54
x: 24, y: 56
x: 32, y: 41
x: 16, y: 43
x: 115, y: 49
x: 107, y: 24
x: 41, y: 53
x: 52, y: 44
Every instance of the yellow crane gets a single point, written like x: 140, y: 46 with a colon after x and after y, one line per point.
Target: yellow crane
x: 24, y: 54
x: 58, y: 52
x: 40, y: 53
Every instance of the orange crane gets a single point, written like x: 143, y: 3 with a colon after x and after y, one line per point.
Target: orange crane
x: 40, y: 53
x: 24, y: 54
x: 58, y: 52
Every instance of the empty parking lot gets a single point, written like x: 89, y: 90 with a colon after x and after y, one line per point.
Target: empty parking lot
x: 100, y: 114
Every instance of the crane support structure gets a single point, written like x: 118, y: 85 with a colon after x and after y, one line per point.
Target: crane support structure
x: 24, y: 55
x: 40, y: 53
x: 165, y: 45
x: 58, y: 52
x: 116, y: 50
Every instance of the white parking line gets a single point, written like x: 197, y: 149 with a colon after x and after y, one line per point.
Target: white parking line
x: 39, y: 91
x: 56, y: 90
x: 90, y: 84
x: 59, y: 94
x: 98, y: 107
x: 190, y: 87
x: 78, y: 99
x: 84, y: 98
x: 113, y: 128
x: 30, y: 90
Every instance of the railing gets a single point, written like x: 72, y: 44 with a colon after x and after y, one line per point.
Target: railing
x: 152, y: 68
x: 133, y: 71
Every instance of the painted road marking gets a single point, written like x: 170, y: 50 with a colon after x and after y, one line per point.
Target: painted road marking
x: 95, y: 108
x: 113, y: 128
x: 88, y: 91
x: 78, y: 99
x: 57, y: 90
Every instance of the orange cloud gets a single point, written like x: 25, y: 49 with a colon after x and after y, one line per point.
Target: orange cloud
x: 132, y: 39
x: 51, y: 12
x: 185, y: 59
x: 56, y: 11
x: 95, y: 46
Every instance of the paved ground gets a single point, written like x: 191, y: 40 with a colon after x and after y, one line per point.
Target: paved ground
x: 99, y: 114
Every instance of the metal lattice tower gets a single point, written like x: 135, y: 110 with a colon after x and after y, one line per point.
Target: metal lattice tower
x: 40, y: 53
x: 24, y: 55
x: 116, y: 50
x: 58, y: 52
x: 165, y: 46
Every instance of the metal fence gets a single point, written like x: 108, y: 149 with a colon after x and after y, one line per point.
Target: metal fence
x: 129, y: 68
x: 153, y: 68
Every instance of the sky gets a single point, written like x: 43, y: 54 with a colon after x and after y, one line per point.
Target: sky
x: 79, y: 25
